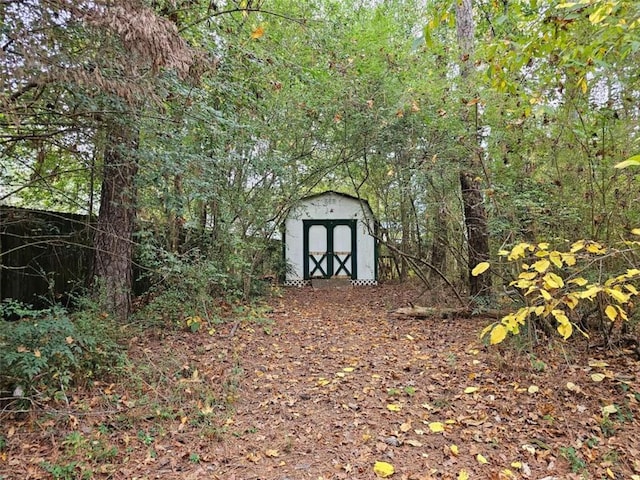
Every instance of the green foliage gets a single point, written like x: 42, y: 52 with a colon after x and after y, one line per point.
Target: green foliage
x: 554, y: 283
x: 46, y: 352
x: 576, y: 462
x: 67, y: 471
x: 182, y: 287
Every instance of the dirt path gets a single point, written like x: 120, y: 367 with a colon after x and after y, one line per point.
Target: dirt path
x: 331, y: 383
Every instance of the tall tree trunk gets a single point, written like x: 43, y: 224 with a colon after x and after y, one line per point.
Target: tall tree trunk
x: 113, y: 240
x: 475, y: 219
x: 475, y: 215
x: 439, y: 243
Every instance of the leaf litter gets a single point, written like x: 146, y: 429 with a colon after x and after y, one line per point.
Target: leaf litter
x: 338, y: 388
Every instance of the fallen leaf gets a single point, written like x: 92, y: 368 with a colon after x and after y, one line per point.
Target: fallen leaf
x: 533, y: 389
x: 463, y: 475
x: 454, y: 449
x: 254, y: 457
x: 597, y: 377
x: 272, y: 453
x: 394, y: 407
x: 405, y: 427
x: 573, y: 387
x: 348, y: 369
x: 436, y: 427
x: 383, y: 469
x: 609, y: 409
x: 413, y: 443
x: 481, y: 459
x: 471, y: 389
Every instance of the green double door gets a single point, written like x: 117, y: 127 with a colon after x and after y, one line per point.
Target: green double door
x: 330, y: 249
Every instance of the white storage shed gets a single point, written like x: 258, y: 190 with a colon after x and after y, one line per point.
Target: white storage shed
x: 330, y: 235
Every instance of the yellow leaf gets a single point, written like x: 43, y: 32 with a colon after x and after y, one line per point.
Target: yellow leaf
x: 436, y: 427
x: 533, y: 389
x: 481, y: 459
x: 611, y: 312
x: 617, y: 295
x: 498, y: 334
x: 577, y: 246
x: 590, y: 292
x: 518, y: 251
x: 565, y: 329
x: 541, y: 265
x: 471, y: 389
x: 546, y: 295
x: 486, y: 330
x: 595, y: 247
x: 394, y: 407
x: 622, y: 313
x: 480, y: 268
x: 454, y: 449
x: 582, y: 83
x: 348, y: 369
x: 528, y: 275
x: 463, y: 475
x: 257, y: 32
x: 597, y: 377
x: 608, y: 409
x: 572, y: 301
x: 383, y: 469
x: 581, y: 282
x: 272, y: 453
x: 556, y: 258
x: 568, y: 258
x: 553, y: 280
x: 517, y: 465
x: 543, y: 246
x: 636, y: 231
x: 610, y: 474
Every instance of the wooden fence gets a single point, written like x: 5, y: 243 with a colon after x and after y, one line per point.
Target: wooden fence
x: 44, y: 256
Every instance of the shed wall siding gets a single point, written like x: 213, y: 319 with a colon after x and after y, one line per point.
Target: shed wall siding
x: 329, y: 207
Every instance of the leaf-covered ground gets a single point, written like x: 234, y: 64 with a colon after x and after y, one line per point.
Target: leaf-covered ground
x: 326, y: 384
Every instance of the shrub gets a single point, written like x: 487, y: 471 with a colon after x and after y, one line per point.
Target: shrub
x: 554, y: 283
x: 47, y: 351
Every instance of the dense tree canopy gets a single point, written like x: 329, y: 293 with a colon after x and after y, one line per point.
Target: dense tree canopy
x: 210, y: 120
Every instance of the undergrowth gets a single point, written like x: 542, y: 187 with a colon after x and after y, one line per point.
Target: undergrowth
x: 45, y: 352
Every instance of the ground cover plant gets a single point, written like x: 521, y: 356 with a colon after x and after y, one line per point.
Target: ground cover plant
x: 331, y: 384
